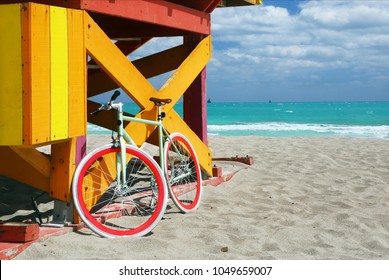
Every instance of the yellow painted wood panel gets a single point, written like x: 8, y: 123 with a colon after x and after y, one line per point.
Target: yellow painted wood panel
x: 11, y: 83
x: 77, y: 72
x: 37, y: 98
x: 116, y: 64
x: 150, y: 66
x: 59, y: 73
x: 184, y: 76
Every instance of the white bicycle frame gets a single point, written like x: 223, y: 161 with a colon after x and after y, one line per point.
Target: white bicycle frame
x: 123, y: 137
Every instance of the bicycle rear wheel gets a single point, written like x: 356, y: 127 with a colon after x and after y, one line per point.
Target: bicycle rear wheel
x: 119, y: 210
x: 183, y: 173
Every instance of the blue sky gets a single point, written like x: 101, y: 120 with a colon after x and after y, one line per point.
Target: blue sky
x: 290, y: 50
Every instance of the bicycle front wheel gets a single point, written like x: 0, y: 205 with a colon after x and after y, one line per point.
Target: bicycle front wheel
x: 183, y: 173
x: 112, y: 208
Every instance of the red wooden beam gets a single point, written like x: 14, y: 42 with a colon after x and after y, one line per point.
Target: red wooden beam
x: 162, y: 13
x: 119, y: 27
x: 155, y: 12
x: 201, y: 5
x: 212, y: 6
x: 195, y: 101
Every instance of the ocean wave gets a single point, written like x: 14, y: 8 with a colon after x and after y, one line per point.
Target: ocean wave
x: 288, y: 129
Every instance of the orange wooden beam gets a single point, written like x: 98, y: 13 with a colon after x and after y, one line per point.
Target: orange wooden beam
x: 26, y: 165
x: 62, y: 167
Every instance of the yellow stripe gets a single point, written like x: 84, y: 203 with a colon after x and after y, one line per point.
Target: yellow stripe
x: 59, y: 73
x: 11, y: 92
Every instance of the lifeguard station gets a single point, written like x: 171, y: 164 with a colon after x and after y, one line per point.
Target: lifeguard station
x: 55, y: 54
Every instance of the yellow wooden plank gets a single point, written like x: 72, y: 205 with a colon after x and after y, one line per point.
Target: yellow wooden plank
x: 11, y: 81
x: 63, y: 164
x: 174, y: 88
x: 150, y: 66
x: 37, y: 88
x: 123, y: 72
x: 59, y: 73
x: 116, y: 64
x: 77, y: 72
x: 183, y: 77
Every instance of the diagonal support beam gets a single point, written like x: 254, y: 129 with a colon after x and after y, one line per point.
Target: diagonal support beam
x: 183, y: 77
x: 110, y: 58
x: 174, y: 88
x: 150, y: 66
x: 131, y: 80
x: 27, y: 165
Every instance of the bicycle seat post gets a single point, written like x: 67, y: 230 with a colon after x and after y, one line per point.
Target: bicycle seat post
x: 161, y: 114
x: 160, y: 103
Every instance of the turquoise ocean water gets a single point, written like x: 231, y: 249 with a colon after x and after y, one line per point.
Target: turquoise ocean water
x: 351, y: 119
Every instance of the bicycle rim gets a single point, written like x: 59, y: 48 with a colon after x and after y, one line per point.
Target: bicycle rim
x: 183, y: 173
x: 119, y: 210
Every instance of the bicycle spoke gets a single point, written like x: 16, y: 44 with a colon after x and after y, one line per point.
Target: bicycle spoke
x: 133, y: 207
x: 183, y: 173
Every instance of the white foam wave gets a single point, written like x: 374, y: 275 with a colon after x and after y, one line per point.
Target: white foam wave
x: 286, y: 129
x: 381, y: 131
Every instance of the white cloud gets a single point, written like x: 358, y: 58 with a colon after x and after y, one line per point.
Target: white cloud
x: 349, y: 14
x: 156, y: 45
x: 327, y: 40
x: 333, y: 44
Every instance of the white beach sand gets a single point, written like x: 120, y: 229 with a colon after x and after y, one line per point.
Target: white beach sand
x: 304, y: 198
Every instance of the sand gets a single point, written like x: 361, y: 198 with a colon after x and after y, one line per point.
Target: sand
x: 304, y: 198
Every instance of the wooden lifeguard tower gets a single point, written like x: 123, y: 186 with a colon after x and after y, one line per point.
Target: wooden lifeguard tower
x: 55, y: 54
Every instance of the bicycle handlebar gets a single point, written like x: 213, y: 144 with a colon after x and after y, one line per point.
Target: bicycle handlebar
x: 115, y: 95
x: 107, y: 106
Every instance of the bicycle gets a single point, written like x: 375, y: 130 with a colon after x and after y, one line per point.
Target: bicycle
x: 119, y: 190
